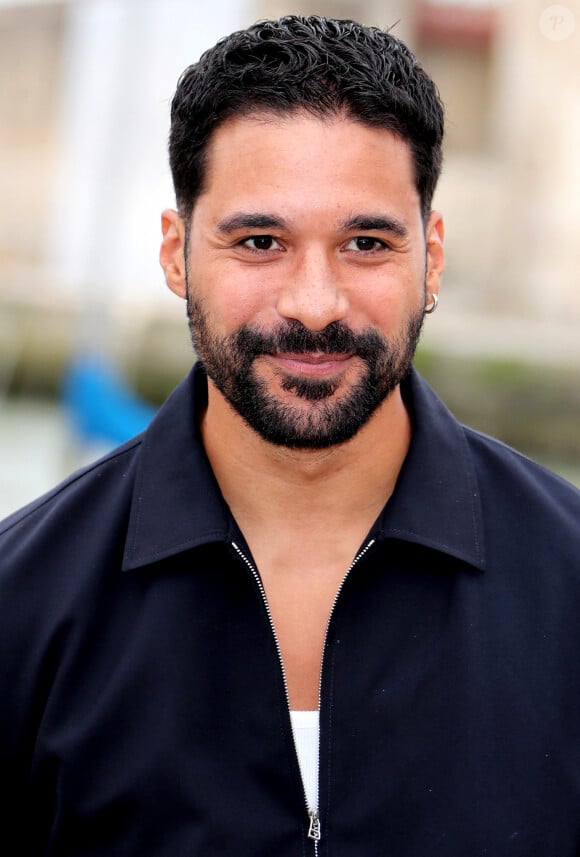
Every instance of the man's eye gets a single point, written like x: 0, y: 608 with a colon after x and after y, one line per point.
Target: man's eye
x: 261, y: 243
x: 365, y: 245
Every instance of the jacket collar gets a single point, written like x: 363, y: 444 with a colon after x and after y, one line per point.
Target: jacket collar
x: 436, y: 501
x: 177, y: 504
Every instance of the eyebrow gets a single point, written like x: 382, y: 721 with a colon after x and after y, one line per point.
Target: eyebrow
x: 375, y: 222
x: 362, y: 222
x: 243, y: 220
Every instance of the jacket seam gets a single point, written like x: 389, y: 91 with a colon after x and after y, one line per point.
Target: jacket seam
x: 468, y: 460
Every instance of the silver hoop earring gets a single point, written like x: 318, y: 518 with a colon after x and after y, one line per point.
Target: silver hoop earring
x: 429, y: 308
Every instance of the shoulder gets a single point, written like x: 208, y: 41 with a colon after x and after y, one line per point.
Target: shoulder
x: 523, y: 494
x: 514, y: 469
x: 83, y: 504
x: 60, y: 558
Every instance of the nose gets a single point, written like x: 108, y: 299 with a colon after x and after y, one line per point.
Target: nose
x: 312, y: 292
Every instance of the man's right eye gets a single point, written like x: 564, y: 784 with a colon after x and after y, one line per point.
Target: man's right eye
x: 261, y: 243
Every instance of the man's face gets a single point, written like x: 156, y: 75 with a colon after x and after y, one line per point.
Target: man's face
x: 305, y: 270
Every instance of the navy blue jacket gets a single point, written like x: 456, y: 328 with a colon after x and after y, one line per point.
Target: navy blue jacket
x: 142, y: 706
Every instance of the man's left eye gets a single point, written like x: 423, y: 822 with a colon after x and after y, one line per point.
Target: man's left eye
x: 365, y: 245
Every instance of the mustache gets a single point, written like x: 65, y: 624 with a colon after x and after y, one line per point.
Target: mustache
x: 293, y: 337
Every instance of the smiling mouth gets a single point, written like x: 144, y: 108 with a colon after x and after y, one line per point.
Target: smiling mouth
x: 311, y: 364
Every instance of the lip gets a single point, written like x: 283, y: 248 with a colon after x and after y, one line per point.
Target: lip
x: 313, y: 365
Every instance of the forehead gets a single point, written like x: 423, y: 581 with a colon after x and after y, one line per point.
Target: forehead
x: 299, y: 160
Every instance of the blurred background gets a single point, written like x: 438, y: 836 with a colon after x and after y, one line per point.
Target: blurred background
x: 91, y: 341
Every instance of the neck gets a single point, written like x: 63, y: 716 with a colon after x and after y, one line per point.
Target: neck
x: 262, y: 482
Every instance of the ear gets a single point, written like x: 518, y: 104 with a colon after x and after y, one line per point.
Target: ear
x: 435, y: 252
x: 172, y: 252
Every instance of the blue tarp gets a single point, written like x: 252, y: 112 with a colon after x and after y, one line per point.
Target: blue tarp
x: 102, y: 406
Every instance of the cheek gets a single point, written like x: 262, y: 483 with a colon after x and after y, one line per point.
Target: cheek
x: 238, y: 306
x: 240, y: 300
x: 387, y: 302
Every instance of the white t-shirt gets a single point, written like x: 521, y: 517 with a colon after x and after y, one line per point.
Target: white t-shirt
x: 305, y: 729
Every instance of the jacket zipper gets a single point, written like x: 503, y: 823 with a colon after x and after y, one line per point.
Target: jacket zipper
x: 314, y: 829
x: 357, y: 558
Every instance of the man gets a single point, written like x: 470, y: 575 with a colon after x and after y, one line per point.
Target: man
x: 306, y: 612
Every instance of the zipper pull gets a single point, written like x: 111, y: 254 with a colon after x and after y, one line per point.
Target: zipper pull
x: 314, y: 829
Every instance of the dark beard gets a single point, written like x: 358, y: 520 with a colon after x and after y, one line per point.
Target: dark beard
x: 229, y: 363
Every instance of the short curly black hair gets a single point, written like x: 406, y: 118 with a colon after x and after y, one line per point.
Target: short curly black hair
x: 314, y: 64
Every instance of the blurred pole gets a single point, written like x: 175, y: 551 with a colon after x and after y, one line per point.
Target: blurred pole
x: 121, y: 62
